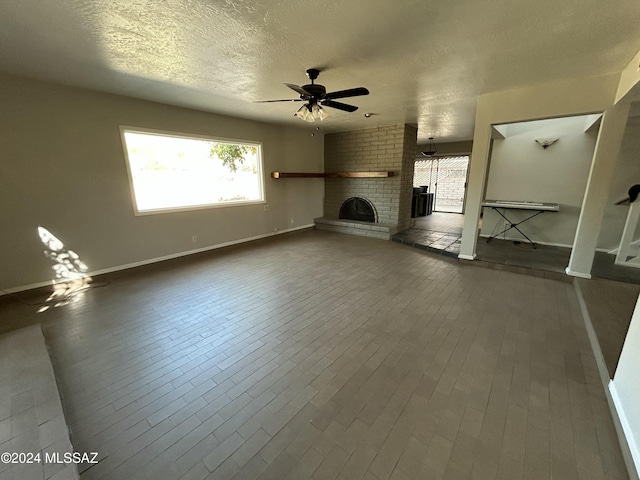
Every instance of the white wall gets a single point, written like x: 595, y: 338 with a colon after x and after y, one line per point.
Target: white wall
x: 625, y: 388
x: 627, y: 173
x: 63, y: 168
x: 520, y: 169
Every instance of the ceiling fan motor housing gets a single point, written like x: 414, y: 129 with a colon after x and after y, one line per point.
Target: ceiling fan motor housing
x: 316, y: 91
x: 313, y: 73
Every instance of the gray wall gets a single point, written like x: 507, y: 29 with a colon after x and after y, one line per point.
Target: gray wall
x: 63, y: 168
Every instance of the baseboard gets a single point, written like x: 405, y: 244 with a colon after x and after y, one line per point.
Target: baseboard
x: 22, y: 288
x: 149, y: 261
x: 467, y: 257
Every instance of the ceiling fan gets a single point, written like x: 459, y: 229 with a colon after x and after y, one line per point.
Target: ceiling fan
x: 317, y: 97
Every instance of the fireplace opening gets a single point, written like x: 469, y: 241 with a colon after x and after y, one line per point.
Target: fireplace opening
x: 357, y: 208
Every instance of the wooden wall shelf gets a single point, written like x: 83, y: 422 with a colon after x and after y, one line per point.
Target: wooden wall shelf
x: 332, y: 175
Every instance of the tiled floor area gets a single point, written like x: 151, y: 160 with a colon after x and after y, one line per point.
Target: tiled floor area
x: 609, y: 298
x: 31, y: 417
x: 441, y: 222
x: 437, y: 233
x: 610, y: 305
x: 442, y: 243
x: 604, y: 267
x: 507, y: 252
x: 440, y: 233
x: 322, y: 355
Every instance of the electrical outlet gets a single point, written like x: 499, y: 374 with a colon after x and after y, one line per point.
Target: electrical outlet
x: 292, y: 221
x: 266, y: 207
x: 194, y: 239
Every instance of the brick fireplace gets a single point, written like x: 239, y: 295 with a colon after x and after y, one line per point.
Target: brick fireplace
x: 358, y: 208
x: 388, y: 148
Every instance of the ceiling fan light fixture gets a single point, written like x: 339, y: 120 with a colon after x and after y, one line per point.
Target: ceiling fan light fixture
x: 311, y: 113
x: 431, y: 148
x: 318, y: 112
x: 304, y: 113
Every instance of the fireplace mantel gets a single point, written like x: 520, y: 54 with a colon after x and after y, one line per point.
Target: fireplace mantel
x: 332, y: 175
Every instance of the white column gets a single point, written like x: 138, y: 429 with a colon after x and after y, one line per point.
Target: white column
x: 475, y: 189
x: 603, y: 166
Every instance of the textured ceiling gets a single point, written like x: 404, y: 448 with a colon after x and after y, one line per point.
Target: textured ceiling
x: 424, y: 62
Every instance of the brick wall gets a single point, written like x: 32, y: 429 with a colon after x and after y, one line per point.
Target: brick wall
x: 388, y: 148
x: 406, y: 183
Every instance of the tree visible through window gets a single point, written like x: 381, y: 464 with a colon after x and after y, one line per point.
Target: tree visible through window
x: 172, y: 172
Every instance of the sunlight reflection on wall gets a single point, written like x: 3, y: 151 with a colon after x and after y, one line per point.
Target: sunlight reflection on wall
x: 70, y: 277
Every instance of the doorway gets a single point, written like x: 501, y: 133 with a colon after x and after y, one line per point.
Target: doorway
x: 446, y: 178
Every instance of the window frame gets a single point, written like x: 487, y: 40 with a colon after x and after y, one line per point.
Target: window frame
x: 190, y: 136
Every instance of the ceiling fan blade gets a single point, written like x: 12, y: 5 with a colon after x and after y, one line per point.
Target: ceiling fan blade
x: 352, y: 92
x: 298, y: 89
x: 285, y: 100
x: 339, y: 106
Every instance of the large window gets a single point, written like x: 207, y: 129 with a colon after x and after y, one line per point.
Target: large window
x: 171, y: 172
